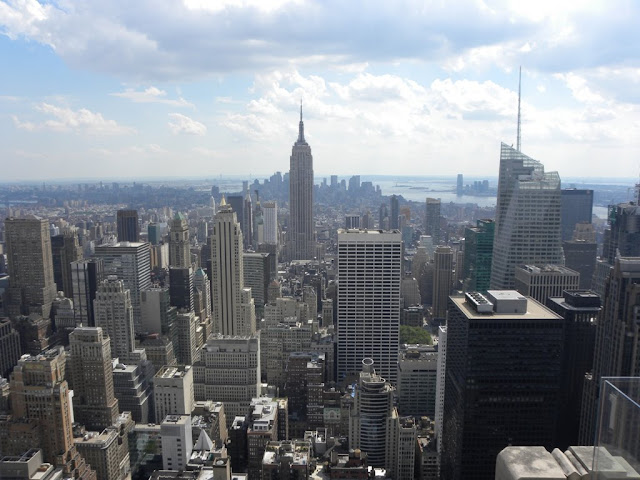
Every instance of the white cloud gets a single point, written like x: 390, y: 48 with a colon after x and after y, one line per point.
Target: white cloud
x: 152, y: 95
x: 182, y: 124
x: 63, y: 119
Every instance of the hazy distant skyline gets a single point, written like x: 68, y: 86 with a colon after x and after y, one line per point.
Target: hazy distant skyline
x: 146, y: 89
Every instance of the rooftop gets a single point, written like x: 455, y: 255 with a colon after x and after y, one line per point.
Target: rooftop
x: 534, y: 311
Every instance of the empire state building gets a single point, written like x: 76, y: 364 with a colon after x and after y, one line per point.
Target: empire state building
x: 301, y: 244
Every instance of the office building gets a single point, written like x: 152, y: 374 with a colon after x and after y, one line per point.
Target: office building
x: 181, y: 287
x: 9, y: 347
x: 394, y: 212
x: 185, y: 337
x: 368, y: 418
x: 64, y: 250
x: 227, y: 276
x: 262, y: 429
x: 440, y: 384
x: 159, y: 350
x: 202, y: 295
x: 580, y: 255
x: 86, y: 275
x: 108, y: 451
x: 544, y: 281
x: 94, y: 403
x: 623, y: 235
x: 179, y: 253
x: 132, y: 388
x: 131, y: 263
x: 114, y: 314
x: 503, y: 375
x: 154, y: 233
x: 257, y: 275
x: 177, y: 442
x: 352, y: 221
x: 173, y: 391
x: 41, y: 397
x: 478, y: 252
x: 128, y: 227
x: 158, y: 316
x: 287, y: 459
x: 369, y: 278
x: 580, y: 310
x: 442, y: 280
x: 300, y: 234
x: 228, y: 371
x: 617, y: 340
x: 432, y: 220
x: 28, y: 465
x: 576, y: 207
x: 459, y: 185
x: 270, y: 219
x: 32, y: 288
x: 527, y: 229
x: 417, y: 379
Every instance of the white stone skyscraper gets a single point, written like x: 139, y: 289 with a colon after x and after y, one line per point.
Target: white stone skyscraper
x: 270, y: 215
x: 114, y: 314
x: 231, y: 313
x: 179, y: 251
x: 528, y: 226
x: 369, y: 278
x: 300, y: 234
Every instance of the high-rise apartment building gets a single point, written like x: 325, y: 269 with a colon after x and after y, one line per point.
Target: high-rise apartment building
x: 32, y: 288
x: 527, y: 229
x: 179, y: 253
x: 131, y: 263
x: 617, y: 344
x: 368, y: 317
x: 478, y: 252
x: 300, y: 234
x: 442, y: 280
x: 114, y: 314
x: 94, y: 403
x: 576, y: 207
x: 432, y: 220
x: 128, y: 227
x: 503, y: 374
x: 86, y: 275
x: 227, y: 276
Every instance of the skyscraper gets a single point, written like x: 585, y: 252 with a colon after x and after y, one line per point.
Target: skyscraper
x: 395, y: 212
x: 617, y: 344
x: 114, y: 313
x: 179, y: 253
x: 41, y: 397
x: 270, y: 214
x: 227, y: 275
x: 131, y: 263
x: 442, y: 280
x: 503, y: 376
x: 128, y: 227
x: 369, y: 279
x: 32, y: 288
x: 301, y: 244
x: 86, y: 275
x: 577, y: 207
x: 478, y: 252
x: 65, y: 249
x: 527, y: 227
x: 94, y: 403
x: 432, y: 219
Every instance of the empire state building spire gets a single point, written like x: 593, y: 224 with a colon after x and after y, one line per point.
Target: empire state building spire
x: 301, y: 140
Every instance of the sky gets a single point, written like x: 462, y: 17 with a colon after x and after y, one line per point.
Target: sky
x: 189, y: 88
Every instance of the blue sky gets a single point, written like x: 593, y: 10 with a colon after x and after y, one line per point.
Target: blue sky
x: 195, y: 87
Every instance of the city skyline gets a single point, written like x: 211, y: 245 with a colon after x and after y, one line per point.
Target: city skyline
x: 385, y: 90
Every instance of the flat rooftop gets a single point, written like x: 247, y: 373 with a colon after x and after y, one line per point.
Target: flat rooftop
x: 535, y: 311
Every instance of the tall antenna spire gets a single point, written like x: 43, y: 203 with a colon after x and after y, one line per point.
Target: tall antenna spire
x: 300, y: 109
x: 519, y: 95
x: 301, y: 140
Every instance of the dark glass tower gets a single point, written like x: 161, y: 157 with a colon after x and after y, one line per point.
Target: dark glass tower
x: 128, y: 228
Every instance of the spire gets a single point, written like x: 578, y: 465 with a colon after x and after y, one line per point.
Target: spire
x: 519, y: 95
x: 301, y: 139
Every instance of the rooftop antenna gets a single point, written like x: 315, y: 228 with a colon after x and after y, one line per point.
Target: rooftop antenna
x: 519, y: 95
